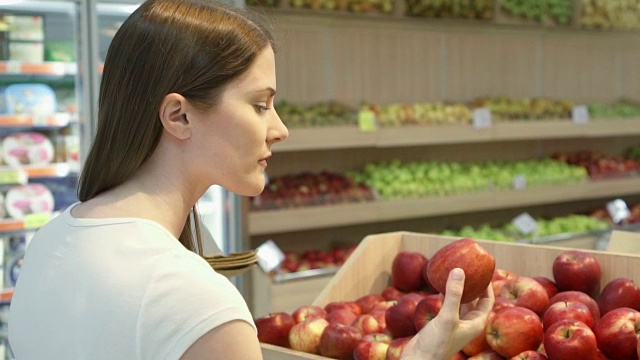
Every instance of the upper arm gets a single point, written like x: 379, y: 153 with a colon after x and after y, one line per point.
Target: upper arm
x: 232, y: 340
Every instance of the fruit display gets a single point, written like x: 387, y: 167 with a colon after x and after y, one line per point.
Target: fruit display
x: 634, y: 216
x: 314, y: 259
x: 452, y: 9
x: 634, y: 153
x: 309, y: 189
x: 574, y: 223
x: 542, y: 11
x: 357, y: 6
x: 506, y: 108
x: 403, y: 180
x: 317, y: 115
x: 607, y: 14
x: 564, y: 316
x: 420, y: 114
x: 599, y: 165
x: 619, y: 110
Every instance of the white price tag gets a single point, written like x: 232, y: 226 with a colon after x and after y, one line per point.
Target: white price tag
x: 525, y: 223
x: 269, y: 256
x: 580, y: 114
x: 520, y: 182
x: 482, y: 118
x: 618, y: 210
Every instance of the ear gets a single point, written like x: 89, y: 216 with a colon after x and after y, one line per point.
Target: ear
x: 173, y: 115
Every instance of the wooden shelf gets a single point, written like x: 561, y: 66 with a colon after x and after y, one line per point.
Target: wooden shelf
x: 280, y: 221
x: 50, y: 68
x: 307, y: 139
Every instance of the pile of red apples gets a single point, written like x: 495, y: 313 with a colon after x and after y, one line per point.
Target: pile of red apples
x: 569, y: 317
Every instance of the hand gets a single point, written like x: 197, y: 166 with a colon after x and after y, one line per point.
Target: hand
x: 454, y: 326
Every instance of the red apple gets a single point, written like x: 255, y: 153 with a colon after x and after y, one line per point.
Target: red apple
x: 384, y: 305
x: 578, y: 271
x: 562, y: 310
x: 396, y: 347
x: 548, y: 285
x: 392, y: 293
x: 616, y: 333
x: 372, y: 347
x: 617, y: 293
x: 399, y: 319
x: 570, y: 339
x: 580, y: 297
x: 344, y: 305
x: 274, y: 328
x: 426, y: 310
x: 501, y: 303
x: 305, y: 336
x: 511, y: 331
x: 467, y: 254
x: 367, y: 324
x: 380, y: 317
x: 529, y: 355
x: 486, y: 355
x: 459, y: 356
x: 476, y: 346
x: 341, y: 316
x: 406, y: 271
x: 526, y: 292
x: 308, y: 312
x: 339, y: 341
x: 503, y: 274
x: 367, y: 302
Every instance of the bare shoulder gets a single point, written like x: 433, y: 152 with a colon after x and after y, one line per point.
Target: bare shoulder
x: 232, y: 340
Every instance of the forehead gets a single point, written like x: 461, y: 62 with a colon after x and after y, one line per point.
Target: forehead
x: 260, y: 74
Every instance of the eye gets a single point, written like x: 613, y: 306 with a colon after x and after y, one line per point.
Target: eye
x: 261, y: 108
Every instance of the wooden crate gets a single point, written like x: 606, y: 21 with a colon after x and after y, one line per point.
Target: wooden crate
x: 368, y: 269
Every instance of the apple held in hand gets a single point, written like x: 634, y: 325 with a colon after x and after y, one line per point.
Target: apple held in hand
x: 570, y: 339
x: 305, y: 336
x: 616, y: 333
x: 339, y: 341
x: 406, y: 271
x: 577, y: 270
x: 274, y: 328
x: 617, y: 293
x: 467, y: 254
x: 511, y: 331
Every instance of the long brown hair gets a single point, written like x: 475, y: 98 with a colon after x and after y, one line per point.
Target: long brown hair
x: 190, y: 47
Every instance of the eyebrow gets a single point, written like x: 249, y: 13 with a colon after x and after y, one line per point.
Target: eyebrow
x: 272, y: 91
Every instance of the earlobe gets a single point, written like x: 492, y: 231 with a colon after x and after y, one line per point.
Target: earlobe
x: 173, y: 115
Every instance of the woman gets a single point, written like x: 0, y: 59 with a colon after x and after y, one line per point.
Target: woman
x: 186, y: 101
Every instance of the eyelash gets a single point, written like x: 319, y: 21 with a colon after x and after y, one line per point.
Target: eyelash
x: 260, y: 109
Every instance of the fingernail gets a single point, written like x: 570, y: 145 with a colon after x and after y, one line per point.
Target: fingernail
x: 457, y: 274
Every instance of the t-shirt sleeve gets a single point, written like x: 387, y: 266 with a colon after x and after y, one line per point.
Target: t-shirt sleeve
x: 184, y: 301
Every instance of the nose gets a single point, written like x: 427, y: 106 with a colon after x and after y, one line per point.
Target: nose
x: 277, y: 131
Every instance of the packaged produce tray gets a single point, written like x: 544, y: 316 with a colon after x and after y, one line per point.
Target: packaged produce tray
x: 368, y: 269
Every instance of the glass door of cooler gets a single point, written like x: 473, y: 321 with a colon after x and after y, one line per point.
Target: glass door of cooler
x: 40, y: 125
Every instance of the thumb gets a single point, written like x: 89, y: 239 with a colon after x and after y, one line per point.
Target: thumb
x: 453, y: 294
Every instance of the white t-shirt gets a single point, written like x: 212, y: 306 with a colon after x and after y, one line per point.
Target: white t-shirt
x: 115, y: 289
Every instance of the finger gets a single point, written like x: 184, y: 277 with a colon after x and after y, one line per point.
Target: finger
x: 486, y: 300
x: 453, y: 294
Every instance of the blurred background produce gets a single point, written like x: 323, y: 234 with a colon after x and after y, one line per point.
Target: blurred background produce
x: 610, y: 14
x: 623, y: 109
x: 456, y: 9
x: 505, y: 108
x: 599, y: 165
x: 329, y: 113
x: 420, y: 113
x: 541, y: 11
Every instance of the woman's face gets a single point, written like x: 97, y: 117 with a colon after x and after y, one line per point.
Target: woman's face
x: 236, y: 135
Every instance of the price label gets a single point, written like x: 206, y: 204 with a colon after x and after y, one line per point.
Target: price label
x: 525, y: 223
x: 40, y: 119
x: 367, y: 121
x: 269, y: 256
x: 34, y: 221
x: 618, y: 210
x: 520, y: 182
x: 482, y: 118
x: 13, y: 177
x: 580, y: 114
